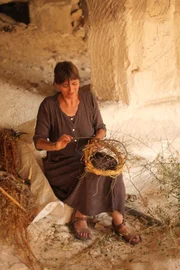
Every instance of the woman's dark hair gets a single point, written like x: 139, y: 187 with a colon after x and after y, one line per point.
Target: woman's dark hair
x: 65, y: 71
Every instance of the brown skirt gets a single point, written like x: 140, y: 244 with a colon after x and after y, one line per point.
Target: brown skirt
x: 96, y: 194
x: 88, y: 193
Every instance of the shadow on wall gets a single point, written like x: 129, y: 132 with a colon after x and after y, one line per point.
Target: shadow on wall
x: 19, y: 11
x: 28, y: 62
x: 29, y: 77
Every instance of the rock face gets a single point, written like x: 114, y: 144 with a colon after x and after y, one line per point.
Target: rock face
x: 108, y: 50
x: 54, y: 15
x: 134, y: 49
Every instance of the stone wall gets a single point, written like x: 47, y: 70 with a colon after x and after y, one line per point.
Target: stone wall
x: 55, y: 15
x: 134, y: 46
x: 152, y: 58
x: 51, y: 15
x: 134, y: 49
x: 107, y: 48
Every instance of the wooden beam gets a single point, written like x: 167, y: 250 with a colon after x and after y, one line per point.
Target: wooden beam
x: 150, y: 220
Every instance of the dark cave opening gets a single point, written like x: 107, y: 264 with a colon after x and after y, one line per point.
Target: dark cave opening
x: 19, y: 11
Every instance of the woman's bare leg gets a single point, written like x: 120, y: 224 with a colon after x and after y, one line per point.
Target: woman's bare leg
x: 117, y: 217
x: 80, y: 225
x: 121, y: 229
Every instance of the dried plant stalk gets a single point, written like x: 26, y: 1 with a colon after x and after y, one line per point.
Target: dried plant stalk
x: 13, y: 219
x: 12, y: 199
x: 16, y: 202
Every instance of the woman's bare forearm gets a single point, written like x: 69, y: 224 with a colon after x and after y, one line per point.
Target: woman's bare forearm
x: 43, y: 144
x: 100, y: 134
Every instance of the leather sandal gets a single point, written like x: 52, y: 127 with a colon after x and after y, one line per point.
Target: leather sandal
x: 129, y: 236
x: 83, y: 233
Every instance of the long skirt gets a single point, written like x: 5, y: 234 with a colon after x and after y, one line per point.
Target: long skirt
x: 86, y: 192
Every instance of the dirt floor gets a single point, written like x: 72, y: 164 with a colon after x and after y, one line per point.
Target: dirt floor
x: 55, y: 248
x: 27, y: 58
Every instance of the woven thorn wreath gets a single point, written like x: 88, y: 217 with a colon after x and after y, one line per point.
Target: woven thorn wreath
x: 114, y: 147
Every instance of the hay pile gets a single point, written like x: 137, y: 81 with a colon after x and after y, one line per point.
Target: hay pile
x: 8, y: 151
x: 16, y: 201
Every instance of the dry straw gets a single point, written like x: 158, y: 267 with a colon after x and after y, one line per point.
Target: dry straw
x: 16, y: 202
x: 109, y: 149
x: 8, y: 151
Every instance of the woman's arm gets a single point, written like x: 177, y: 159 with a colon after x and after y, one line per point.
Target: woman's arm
x: 43, y: 144
x: 100, y: 134
x: 43, y: 127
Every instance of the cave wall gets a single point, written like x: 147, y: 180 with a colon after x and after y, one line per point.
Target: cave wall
x: 107, y: 49
x: 53, y: 15
x: 134, y: 46
x: 134, y: 49
x: 152, y: 58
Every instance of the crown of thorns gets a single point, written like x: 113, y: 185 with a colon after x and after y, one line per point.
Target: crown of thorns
x: 105, y: 157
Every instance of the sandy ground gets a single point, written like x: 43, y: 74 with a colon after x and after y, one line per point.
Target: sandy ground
x: 27, y: 58
x: 55, y: 248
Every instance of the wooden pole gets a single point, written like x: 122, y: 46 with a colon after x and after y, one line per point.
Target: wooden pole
x: 12, y: 199
x: 136, y: 213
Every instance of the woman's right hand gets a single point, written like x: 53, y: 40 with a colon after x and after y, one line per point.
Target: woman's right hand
x: 62, y: 142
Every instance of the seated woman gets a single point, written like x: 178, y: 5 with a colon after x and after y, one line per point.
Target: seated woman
x: 65, y: 121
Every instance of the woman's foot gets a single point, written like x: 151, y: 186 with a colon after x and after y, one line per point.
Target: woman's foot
x: 122, y: 230
x: 80, y: 227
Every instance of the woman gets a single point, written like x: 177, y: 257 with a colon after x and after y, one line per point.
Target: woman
x: 65, y: 122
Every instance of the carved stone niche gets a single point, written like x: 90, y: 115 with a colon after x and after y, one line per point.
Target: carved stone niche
x: 14, y: 13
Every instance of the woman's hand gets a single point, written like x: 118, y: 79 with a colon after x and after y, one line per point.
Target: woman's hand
x: 62, y: 142
x: 95, y: 145
x: 100, y: 134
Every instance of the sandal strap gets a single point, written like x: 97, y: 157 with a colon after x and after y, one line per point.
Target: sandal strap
x: 119, y: 226
x: 76, y: 219
x: 128, y: 236
x: 79, y: 232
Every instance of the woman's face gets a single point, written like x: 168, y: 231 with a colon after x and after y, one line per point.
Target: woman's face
x: 69, y: 88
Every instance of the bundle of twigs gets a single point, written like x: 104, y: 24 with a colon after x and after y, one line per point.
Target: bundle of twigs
x: 16, y: 202
x: 105, y: 157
